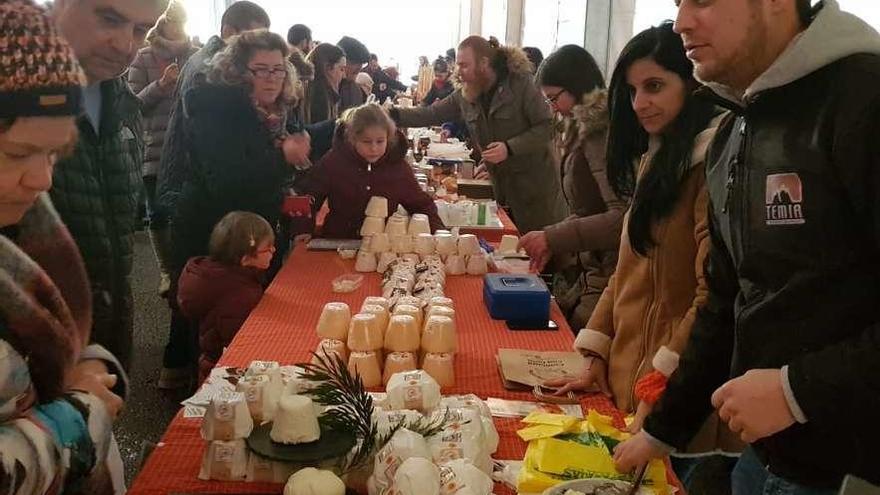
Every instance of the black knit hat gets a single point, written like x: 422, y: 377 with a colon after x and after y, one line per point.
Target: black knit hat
x: 355, y: 51
x: 571, y: 68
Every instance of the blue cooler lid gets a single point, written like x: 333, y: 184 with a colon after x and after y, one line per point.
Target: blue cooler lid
x: 519, y: 284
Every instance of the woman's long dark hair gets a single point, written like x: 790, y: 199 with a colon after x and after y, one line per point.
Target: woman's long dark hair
x: 656, y: 193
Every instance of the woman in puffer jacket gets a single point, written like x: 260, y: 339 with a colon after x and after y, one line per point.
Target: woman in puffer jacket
x: 153, y: 78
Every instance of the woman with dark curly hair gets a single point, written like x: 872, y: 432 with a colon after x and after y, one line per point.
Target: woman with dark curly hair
x: 245, y: 147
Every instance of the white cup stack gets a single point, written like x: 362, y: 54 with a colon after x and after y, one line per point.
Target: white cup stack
x: 446, y: 244
x: 419, y: 224
x: 377, y: 207
x: 372, y: 226
x: 380, y: 243
x: 397, y: 225
x: 365, y: 262
x: 424, y: 244
x: 455, y: 265
x: 508, y: 244
x: 468, y: 245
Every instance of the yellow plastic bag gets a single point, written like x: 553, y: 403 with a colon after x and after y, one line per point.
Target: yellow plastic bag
x: 545, y: 425
x: 583, y: 450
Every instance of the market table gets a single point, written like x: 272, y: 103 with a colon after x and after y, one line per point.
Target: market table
x: 491, y: 234
x: 281, y: 328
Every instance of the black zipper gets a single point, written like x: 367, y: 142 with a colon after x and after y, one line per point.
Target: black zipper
x: 737, y: 179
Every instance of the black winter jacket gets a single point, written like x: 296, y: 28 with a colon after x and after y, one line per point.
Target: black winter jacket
x: 794, y: 268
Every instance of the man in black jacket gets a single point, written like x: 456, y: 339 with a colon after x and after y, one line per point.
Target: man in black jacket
x: 356, y: 57
x: 787, y: 347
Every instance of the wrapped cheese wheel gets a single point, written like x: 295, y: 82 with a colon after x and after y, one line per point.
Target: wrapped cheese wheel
x: 415, y: 390
x: 459, y: 477
x: 311, y: 481
x: 417, y: 476
x: 227, y: 418
x: 388, y: 420
x: 440, y: 367
x: 262, y: 470
x: 471, y: 401
x: 261, y: 396
x: 398, y: 362
x: 462, y: 438
x: 403, y: 334
x: 410, y: 256
x: 367, y: 366
x: 439, y: 335
x: 365, y: 334
x: 334, y: 321
x: 404, y: 444
x: 224, y: 461
x: 296, y: 421
x: 409, y: 310
x: 329, y: 347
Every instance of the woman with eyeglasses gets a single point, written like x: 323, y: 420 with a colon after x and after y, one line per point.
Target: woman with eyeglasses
x: 246, y: 148
x: 583, y: 247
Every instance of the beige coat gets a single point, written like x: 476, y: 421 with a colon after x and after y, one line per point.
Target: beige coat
x: 527, y: 181
x: 644, y: 317
x: 589, y: 237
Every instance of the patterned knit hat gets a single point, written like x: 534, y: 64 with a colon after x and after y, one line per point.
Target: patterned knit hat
x: 39, y: 75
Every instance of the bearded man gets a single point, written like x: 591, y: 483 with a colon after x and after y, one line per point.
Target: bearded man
x: 510, y: 124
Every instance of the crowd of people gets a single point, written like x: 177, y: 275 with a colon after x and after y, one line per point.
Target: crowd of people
x: 708, y: 217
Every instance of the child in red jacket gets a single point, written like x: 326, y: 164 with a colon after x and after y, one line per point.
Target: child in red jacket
x: 367, y: 159
x: 217, y: 292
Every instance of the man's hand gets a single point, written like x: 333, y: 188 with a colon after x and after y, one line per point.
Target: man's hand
x: 92, y: 376
x: 637, y: 451
x: 496, y: 152
x: 754, y: 404
x: 481, y: 172
x: 296, y: 148
x: 594, y: 374
x: 535, y: 245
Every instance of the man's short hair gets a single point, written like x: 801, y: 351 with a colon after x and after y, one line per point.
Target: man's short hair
x: 805, y: 11
x: 355, y: 51
x: 299, y: 33
x: 242, y: 15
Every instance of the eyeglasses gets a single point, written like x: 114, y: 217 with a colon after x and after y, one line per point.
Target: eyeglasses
x: 551, y: 100
x: 263, y: 73
x: 268, y: 249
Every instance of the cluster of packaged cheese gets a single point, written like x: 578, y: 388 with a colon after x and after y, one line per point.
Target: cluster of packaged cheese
x: 409, y: 238
x: 385, y: 338
x: 457, y: 460
x: 266, y: 392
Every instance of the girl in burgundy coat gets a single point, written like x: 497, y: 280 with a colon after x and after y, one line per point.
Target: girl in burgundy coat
x: 367, y: 160
x: 218, y: 292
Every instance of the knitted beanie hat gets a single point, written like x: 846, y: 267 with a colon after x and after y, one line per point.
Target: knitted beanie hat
x: 39, y: 75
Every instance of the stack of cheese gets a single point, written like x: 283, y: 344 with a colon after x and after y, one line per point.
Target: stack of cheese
x: 265, y: 393
x: 385, y: 338
x: 457, y: 460
x: 410, y: 239
x: 424, y: 279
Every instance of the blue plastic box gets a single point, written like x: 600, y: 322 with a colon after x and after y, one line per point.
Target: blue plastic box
x: 516, y: 297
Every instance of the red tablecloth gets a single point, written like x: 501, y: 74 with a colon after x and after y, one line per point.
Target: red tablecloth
x: 281, y: 328
x: 490, y: 234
